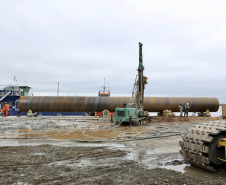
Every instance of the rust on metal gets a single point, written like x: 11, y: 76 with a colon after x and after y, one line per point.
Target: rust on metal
x: 88, y: 104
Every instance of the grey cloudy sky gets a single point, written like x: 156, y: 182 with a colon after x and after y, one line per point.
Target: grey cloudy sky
x: 79, y: 43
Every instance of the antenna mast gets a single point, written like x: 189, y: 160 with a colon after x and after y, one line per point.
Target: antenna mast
x: 58, y: 89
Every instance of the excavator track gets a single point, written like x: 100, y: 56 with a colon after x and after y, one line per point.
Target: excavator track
x: 200, y: 145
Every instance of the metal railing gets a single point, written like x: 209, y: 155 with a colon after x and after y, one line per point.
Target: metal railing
x: 10, y: 93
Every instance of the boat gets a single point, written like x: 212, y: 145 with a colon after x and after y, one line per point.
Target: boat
x: 12, y: 93
x: 104, y: 92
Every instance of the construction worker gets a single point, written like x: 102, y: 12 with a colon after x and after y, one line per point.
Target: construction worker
x: 18, y: 112
x: 181, y: 109
x: 186, y: 107
x: 5, y: 109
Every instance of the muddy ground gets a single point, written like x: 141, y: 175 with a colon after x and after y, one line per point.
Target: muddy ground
x: 47, y: 151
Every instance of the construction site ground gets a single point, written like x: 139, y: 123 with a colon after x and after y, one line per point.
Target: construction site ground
x: 89, y: 150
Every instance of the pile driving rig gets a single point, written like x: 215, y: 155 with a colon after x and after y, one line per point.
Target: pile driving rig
x: 134, y: 113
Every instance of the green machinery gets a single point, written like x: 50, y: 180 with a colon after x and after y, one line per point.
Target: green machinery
x: 133, y: 113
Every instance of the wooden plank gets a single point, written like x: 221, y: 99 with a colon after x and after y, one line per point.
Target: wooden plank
x: 224, y: 110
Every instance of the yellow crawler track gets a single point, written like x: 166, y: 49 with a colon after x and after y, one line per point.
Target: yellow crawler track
x: 200, y: 145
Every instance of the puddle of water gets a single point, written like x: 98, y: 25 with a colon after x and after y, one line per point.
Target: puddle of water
x: 199, y: 173
x: 69, y: 163
x: 21, y: 183
x: 113, y: 145
x: 9, y: 134
x: 142, y: 156
x: 92, y: 133
x: 8, y: 142
x: 173, y: 162
x: 84, y: 163
x: 38, y: 154
x: 30, y: 142
x: 151, y: 160
x: 196, y: 172
x: 35, y: 142
x: 179, y: 168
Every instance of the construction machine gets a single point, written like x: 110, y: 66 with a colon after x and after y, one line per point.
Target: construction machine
x: 134, y: 113
x: 204, y: 146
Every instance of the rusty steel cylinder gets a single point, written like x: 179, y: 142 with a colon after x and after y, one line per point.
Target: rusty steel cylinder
x: 89, y: 104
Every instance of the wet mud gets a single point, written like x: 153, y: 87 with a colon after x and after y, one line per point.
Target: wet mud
x: 45, y: 151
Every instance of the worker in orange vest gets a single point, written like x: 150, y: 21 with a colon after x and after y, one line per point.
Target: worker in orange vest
x: 6, y: 109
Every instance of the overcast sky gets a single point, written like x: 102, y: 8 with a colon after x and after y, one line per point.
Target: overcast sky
x: 79, y: 43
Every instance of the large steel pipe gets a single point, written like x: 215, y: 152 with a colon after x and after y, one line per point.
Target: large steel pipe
x: 88, y: 104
